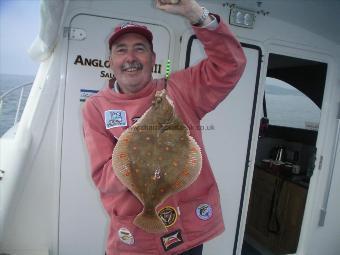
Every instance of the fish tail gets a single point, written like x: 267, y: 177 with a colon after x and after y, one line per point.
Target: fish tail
x: 150, y: 223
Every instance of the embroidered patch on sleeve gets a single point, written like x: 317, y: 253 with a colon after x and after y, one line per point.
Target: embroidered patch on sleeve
x: 172, y: 240
x: 115, y: 118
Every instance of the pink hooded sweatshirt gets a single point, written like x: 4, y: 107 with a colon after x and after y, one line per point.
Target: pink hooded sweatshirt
x: 193, y: 216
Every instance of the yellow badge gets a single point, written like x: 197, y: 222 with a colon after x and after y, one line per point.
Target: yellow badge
x: 168, y: 215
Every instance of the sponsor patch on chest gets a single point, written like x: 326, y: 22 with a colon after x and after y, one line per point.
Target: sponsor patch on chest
x: 204, y: 211
x: 115, y: 118
x: 125, y: 236
x: 168, y: 215
x: 172, y: 240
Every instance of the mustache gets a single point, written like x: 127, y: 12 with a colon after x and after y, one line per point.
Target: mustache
x: 133, y: 64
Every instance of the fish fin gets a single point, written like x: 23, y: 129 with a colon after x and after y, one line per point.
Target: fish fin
x: 150, y: 223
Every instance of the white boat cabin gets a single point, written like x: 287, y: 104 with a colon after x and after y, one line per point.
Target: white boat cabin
x: 273, y: 143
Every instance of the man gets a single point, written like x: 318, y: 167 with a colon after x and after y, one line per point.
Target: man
x: 192, y: 216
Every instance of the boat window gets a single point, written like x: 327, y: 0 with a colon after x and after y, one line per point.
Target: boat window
x: 293, y: 93
x: 287, y: 106
x: 19, y: 25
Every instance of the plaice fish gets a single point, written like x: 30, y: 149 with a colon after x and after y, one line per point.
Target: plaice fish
x: 156, y: 158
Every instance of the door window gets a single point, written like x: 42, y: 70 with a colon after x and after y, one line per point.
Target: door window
x: 289, y: 107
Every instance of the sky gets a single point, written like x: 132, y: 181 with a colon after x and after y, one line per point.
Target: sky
x: 19, y: 26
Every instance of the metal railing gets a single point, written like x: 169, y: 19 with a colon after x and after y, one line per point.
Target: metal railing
x: 9, y: 92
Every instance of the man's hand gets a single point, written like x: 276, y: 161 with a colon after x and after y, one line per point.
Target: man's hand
x: 186, y: 8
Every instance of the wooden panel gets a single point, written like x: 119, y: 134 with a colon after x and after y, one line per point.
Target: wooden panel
x: 275, y: 212
x: 292, y: 218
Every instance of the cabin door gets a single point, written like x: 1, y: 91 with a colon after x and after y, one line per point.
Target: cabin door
x: 284, y: 165
x: 227, y: 134
x: 82, y: 220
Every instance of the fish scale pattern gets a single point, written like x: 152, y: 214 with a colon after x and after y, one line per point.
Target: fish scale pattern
x: 156, y: 158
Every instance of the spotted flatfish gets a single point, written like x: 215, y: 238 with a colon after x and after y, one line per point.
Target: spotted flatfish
x: 156, y: 158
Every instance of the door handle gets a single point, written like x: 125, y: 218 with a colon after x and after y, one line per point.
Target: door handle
x: 323, y: 210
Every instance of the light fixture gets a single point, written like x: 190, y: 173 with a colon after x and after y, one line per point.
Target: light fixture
x: 241, y: 17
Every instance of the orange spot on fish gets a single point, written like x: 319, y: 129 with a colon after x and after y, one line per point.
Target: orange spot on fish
x: 177, y: 184
x: 193, y: 162
x: 185, y: 172
x: 122, y: 155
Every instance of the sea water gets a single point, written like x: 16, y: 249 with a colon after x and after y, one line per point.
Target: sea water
x: 285, y: 107
x: 10, y: 102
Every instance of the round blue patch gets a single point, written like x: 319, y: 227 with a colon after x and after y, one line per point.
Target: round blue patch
x: 204, y: 211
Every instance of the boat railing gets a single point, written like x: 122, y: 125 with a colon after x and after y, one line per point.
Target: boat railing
x: 19, y: 102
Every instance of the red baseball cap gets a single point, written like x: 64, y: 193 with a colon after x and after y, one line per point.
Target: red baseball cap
x: 130, y: 27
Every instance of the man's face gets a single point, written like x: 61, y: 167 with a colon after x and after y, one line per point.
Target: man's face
x: 132, y: 61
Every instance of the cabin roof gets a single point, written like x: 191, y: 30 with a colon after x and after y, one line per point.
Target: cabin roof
x: 318, y: 16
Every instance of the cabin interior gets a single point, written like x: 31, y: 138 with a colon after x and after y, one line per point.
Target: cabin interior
x: 285, y: 157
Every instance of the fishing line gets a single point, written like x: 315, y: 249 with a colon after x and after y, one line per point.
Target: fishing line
x: 167, y: 72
